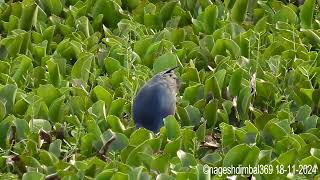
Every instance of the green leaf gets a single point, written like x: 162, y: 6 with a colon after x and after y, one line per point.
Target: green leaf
x: 111, y: 65
x: 172, y: 147
x: 4, y: 129
x: 8, y: 96
x: 277, y: 129
x: 221, y: 45
x: 303, y: 113
x: 111, y: 12
x: 228, y: 134
x: 37, y: 124
x: 86, y: 146
x: 244, y: 102
x: 212, y: 158
x: 2, y: 110
x: 47, y: 158
x: 235, y: 82
x: 164, y: 177
x: 210, y: 18
x: 201, y: 132
x: 186, y: 159
x: 55, y: 147
x: 164, y: 62
x: 306, y: 13
x: 286, y: 14
x: 57, y: 110
x: 166, y: 11
x: 172, y: 127
x: 103, y: 94
x: 210, y: 113
x: 194, y: 115
x: 106, y: 174
x: 193, y: 93
x: 212, y: 86
x: 161, y: 163
x: 239, y: 11
x: 81, y: 69
x: 22, y: 128
x: 54, y: 73
x: 24, y: 66
x: 119, y: 176
x: 32, y: 176
x: 48, y: 93
x: 117, y: 107
x: 241, y: 154
x: 310, y: 122
x: 139, y: 136
x: 28, y: 14
x: 115, y: 123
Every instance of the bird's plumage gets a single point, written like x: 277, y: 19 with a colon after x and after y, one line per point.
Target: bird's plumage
x: 156, y: 100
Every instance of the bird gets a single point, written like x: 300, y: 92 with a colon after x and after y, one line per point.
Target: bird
x: 156, y: 100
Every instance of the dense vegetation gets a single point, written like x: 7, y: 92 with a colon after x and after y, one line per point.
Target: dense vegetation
x: 69, y: 71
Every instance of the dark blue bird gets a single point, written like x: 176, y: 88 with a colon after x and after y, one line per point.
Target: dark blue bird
x: 156, y: 100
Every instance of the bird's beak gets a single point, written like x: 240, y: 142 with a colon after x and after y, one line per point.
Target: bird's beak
x: 169, y: 70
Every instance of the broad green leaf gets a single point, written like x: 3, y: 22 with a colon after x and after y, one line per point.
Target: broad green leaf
x: 48, y: 93
x: 57, y: 110
x: 103, y: 94
x: 165, y: 62
x: 277, y: 129
x: 55, y: 147
x: 106, y: 174
x: 22, y: 128
x: 8, y: 96
x: 228, y: 134
x: 303, y: 113
x: 201, y: 132
x: 111, y: 11
x: 212, y: 87
x: 172, y: 147
x: 306, y: 13
x: 172, y: 127
x: 28, y: 14
x: 243, y: 102
x: 139, y: 136
x: 166, y: 11
x: 241, y: 154
x: 239, y: 11
x: 32, y: 176
x: 37, y: 124
x: 161, y: 163
x: 2, y: 110
x: 54, y: 73
x: 194, y: 93
x: 210, y: 113
x: 221, y: 45
x: 24, y: 66
x: 115, y: 124
x: 212, y: 158
x: 81, y: 69
x: 4, y: 129
x: 117, y: 107
x: 186, y: 159
x: 111, y: 65
x: 194, y: 115
x: 47, y: 158
x: 235, y: 82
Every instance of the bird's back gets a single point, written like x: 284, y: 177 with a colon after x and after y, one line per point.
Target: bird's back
x: 153, y: 103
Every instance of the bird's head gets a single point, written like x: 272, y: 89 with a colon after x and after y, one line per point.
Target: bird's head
x: 170, y: 78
